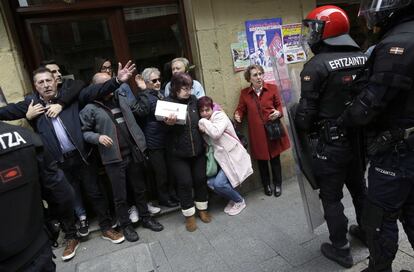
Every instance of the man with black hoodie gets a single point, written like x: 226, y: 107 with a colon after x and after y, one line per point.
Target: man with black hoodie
x: 325, y: 92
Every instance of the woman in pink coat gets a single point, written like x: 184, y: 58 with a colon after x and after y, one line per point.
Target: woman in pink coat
x: 261, y: 103
x: 229, y: 153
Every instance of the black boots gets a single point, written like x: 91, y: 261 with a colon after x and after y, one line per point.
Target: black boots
x: 357, y: 232
x: 278, y: 190
x: 130, y: 234
x: 267, y: 190
x: 341, y: 256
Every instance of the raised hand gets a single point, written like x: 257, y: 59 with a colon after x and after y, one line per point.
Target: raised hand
x: 125, y: 73
x: 139, y: 80
x: 34, y: 110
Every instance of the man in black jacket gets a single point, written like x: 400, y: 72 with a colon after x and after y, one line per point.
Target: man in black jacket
x: 324, y: 94
x: 110, y: 123
x: 385, y: 105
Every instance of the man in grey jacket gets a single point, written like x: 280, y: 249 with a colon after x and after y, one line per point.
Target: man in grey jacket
x: 110, y: 123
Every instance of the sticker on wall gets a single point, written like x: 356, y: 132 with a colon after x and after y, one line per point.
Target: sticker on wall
x: 240, y: 55
x: 292, y: 47
x: 264, y: 38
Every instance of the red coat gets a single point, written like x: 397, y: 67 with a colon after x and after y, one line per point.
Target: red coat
x: 260, y: 147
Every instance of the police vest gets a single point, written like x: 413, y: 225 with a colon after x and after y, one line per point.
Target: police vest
x: 392, y: 67
x: 20, y: 199
x: 335, y: 93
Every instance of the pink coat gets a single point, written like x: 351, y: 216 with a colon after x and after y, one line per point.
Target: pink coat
x: 228, y: 151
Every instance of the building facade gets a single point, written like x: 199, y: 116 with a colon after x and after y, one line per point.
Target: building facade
x: 151, y: 33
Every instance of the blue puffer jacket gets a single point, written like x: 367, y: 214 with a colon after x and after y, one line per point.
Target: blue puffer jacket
x: 155, y: 131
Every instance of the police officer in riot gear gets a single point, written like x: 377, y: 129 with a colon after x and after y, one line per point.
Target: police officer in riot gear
x: 385, y: 105
x: 325, y: 91
x: 24, y: 244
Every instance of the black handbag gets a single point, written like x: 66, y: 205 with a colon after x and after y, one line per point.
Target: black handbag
x: 274, y: 129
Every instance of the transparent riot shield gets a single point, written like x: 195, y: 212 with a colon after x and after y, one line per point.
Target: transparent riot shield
x: 288, y: 81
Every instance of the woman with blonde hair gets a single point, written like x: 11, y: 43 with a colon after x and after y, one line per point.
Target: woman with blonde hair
x: 182, y: 65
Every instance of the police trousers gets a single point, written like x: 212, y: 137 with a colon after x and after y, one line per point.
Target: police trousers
x: 390, y: 188
x: 335, y: 166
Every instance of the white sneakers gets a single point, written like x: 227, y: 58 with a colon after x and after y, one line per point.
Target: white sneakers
x: 234, y: 208
x: 153, y: 209
x: 133, y: 214
x: 229, y: 206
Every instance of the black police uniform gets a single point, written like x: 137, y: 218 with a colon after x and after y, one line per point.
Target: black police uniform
x: 325, y: 91
x: 386, y: 104
x: 24, y: 244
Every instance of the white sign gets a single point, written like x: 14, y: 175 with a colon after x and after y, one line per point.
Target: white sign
x: 165, y: 109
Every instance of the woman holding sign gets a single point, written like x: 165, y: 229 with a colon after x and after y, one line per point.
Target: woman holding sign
x: 185, y: 146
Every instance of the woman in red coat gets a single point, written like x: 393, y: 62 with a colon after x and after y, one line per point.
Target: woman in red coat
x: 264, y: 97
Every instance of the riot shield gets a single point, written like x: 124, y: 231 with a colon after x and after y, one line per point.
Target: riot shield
x: 302, y: 149
x: 288, y: 81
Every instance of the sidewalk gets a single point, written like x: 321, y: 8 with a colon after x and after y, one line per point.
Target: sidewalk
x: 269, y: 235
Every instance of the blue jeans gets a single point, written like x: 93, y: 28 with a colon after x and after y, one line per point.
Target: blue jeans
x: 78, y: 204
x: 221, y: 185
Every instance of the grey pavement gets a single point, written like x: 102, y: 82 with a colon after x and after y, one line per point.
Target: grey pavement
x: 271, y: 234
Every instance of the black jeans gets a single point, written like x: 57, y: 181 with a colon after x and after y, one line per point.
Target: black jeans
x: 190, y: 173
x: 119, y: 173
x: 76, y: 171
x: 276, y: 168
x: 335, y: 166
x: 59, y: 195
x: 158, y: 163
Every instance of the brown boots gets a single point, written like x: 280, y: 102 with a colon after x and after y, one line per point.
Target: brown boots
x: 204, y: 216
x: 190, y: 223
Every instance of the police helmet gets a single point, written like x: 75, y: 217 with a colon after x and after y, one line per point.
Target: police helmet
x: 329, y: 24
x: 377, y: 12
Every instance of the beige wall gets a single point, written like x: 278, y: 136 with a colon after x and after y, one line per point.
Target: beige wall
x: 13, y: 79
x: 213, y: 25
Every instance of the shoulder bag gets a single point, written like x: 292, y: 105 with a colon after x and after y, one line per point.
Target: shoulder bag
x: 274, y: 128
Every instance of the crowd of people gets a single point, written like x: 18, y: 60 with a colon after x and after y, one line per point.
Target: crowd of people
x: 85, y: 128
x: 81, y: 127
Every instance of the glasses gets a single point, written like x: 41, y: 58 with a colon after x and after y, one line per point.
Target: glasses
x: 155, y: 80
x: 185, y: 89
x: 106, y: 68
